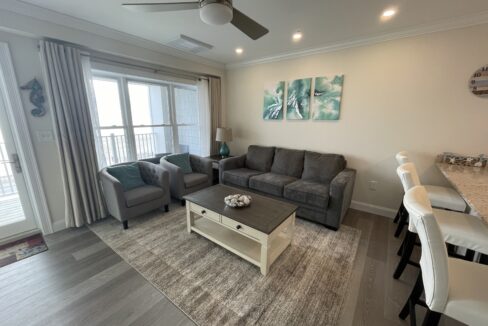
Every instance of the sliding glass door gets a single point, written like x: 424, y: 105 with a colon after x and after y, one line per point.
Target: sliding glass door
x: 138, y: 118
x: 16, y: 214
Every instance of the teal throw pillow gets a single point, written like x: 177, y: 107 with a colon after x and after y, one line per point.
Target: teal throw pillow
x: 181, y: 160
x: 128, y: 175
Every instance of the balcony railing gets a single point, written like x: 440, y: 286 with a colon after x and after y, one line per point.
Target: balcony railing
x: 115, y: 147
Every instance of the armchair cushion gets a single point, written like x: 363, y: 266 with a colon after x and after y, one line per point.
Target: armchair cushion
x: 142, y: 195
x: 270, y: 183
x: 259, y: 158
x: 194, y: 179
x: 181, y: 160
x: 129, y: 175
x: 308, y: 192
x: 322, y: 167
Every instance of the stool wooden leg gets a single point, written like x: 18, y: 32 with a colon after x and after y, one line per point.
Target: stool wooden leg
x: 399, y: 213
x: 431, y: 318
x: 400, y: 250
x: 401, y: 224
x: 412, y: 300
x: 408, y: 246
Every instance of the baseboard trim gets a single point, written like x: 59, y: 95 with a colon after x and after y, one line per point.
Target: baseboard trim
x: 373, y: 209
x: 59, y: 225
x: 19, y: 236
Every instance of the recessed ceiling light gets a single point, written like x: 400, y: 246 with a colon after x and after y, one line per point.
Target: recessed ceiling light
x: 239, y: 50
x: 389, y: 13
x: 297, y: 36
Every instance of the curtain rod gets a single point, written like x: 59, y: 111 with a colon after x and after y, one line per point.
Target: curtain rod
x: 111, y: 58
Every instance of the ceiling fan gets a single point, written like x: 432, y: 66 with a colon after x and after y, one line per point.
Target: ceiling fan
x: 212, y: 12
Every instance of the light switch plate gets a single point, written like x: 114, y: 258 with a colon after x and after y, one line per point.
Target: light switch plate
x: 45, y: 136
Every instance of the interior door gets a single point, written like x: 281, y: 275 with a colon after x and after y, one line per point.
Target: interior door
x: 16, y: 213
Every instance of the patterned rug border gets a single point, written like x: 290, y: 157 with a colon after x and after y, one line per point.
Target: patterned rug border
x: 177, y: 211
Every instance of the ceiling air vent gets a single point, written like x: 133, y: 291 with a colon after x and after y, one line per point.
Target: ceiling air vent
x: 188, y: 44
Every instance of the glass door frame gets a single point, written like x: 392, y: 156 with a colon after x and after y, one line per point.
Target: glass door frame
x: 21, y: 137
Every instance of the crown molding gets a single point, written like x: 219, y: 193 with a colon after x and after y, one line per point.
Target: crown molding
x: 53, y: 17
x: 439, y: 26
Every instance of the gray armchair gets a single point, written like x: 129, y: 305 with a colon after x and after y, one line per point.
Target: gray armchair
x: 182, y: 184
x: 124, y: 205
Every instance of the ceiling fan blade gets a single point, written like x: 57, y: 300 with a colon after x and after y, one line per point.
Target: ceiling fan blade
x: 165, y: 6
x: 247, y: 25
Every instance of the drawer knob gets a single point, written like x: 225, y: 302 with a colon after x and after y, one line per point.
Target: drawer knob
x: 238, y: 227
x: 203, y: 211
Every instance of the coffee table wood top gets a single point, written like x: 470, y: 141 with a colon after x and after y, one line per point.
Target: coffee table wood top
x: 264, y: 214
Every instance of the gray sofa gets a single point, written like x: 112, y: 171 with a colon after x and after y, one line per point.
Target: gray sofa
x: 181, y: 183
x: 320, y: 184
x: 124, y: 205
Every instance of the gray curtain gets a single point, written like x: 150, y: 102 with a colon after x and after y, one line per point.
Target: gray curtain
x: 215, y: 98
x: 67, y: 95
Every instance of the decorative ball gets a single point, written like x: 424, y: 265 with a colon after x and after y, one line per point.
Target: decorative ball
x: 238, y: 200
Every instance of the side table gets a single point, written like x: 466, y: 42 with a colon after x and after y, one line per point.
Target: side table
x: 215, y: 165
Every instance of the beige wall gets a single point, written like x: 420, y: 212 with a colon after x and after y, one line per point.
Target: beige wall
x: 21, y: 34
x: 406, y: 94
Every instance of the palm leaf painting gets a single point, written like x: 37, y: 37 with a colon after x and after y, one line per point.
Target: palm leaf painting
x: 274, y: 96
x: 298, y: 100
x: 327, y: 97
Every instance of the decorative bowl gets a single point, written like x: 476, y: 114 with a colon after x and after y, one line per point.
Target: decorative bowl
x: 237, y: 200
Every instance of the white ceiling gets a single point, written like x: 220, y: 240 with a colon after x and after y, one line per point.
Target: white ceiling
x: 323, y: 22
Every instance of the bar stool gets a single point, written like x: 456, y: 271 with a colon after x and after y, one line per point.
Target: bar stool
x: 401, y: 158
x: 453, y: 287
x: 458, y: 229
x: 441, y: 197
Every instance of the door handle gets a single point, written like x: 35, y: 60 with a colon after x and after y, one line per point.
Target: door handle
x: 15, y: 162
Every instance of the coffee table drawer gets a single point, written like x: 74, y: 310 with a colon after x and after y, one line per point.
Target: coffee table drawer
x: 241, y: 228
x: 204, y: 212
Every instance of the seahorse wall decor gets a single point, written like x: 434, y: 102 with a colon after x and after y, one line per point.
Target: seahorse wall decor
x: 35, y: 97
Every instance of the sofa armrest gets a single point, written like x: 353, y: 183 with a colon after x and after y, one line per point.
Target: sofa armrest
x: 231, y: 163
x: 201, y: 164
x: 113, y: 193
x: 176, y: 181
x: 340, y: 196
x: 154, y: 174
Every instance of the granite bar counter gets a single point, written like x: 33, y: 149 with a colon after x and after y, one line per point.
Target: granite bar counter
x: 472, y: 185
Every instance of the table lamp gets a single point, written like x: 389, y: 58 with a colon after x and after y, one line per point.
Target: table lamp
x: 223, y: 135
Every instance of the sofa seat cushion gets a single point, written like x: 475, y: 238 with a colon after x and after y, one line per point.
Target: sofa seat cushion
x: 308, y: 192
x: 142, y: 195
x: 270, y: 183
x: 239, y: 177
x: 194, y: 179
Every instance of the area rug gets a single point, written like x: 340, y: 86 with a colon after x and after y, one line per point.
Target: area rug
x: 306, y: 285
x: 20, y: 249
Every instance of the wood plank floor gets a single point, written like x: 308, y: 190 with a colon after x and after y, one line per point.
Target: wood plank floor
x: 81, y: 281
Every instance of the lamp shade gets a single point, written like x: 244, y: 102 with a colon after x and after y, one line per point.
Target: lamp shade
x: 224, y: 134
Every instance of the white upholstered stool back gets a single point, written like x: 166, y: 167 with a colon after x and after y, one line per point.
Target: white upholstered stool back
x: 434, y: 259
x: 408, y: 176
x: 402, y: 157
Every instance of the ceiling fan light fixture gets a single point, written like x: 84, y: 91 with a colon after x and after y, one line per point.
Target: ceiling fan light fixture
x: 216, y: 13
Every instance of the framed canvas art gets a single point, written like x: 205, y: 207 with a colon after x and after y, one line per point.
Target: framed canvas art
x: 327, y: 93
x: 298, y: 99
x: 274, y: 98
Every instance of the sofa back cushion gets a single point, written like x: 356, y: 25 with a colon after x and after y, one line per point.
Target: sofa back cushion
x: 322, y: 167
x: 259, y: 158
x: 288, y: 162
